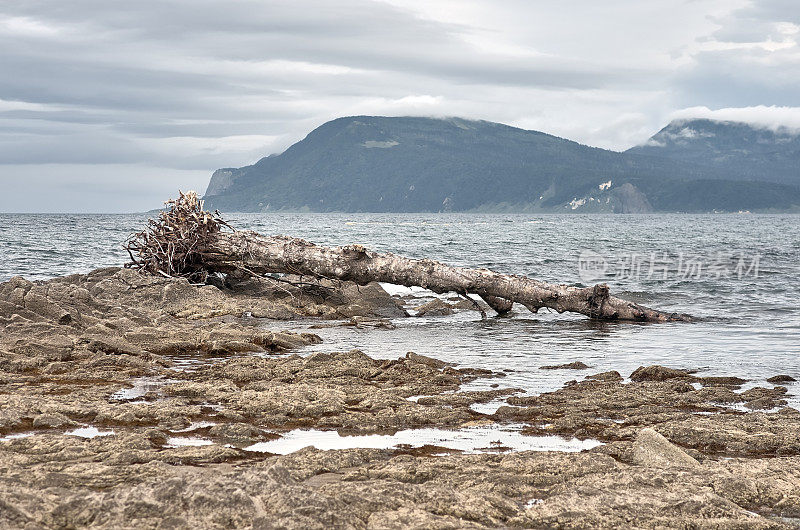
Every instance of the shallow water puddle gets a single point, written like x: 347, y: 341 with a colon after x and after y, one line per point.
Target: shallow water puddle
x: 614, y: 420
x: 533, y: 502
x: 490, y: 407
x: 195, y: 425
x: 16, y: 436
x: 479, y: 439
x: 177, y: 441
x: 740, y: 407
x: 140, y: 388
x: 88, y: 432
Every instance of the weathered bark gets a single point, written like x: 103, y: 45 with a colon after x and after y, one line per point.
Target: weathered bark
x: 279, y: 254
x: 188, y: 241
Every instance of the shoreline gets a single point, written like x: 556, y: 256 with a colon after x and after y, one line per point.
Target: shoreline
x: 100, y: 451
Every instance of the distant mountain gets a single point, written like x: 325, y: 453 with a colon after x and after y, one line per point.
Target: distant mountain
x: 405, y: 164
x: 742, y: 150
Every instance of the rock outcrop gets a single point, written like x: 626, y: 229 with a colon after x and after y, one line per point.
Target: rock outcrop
x: 653, y: 450
x: 120, y: 312
x: 134, y: 402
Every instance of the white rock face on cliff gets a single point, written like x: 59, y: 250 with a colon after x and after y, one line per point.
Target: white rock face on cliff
x: 220, y: 181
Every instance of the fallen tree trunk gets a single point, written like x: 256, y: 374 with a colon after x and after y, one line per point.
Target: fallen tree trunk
x: 261, y: 255
x: 189, y: 241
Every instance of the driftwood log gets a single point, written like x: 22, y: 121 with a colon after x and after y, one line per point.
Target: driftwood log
x: 188, y: 241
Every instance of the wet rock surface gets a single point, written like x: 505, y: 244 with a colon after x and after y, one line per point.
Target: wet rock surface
x: 102, y: 424
x: 435, y: 307
x: 777, y: 379
x: 575, y: 365
x: 127, y: 321
x: 710, y: 419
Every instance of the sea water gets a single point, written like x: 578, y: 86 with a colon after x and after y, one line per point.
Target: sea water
x: 738, y: 274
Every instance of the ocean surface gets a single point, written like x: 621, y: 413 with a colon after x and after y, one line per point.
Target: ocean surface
x: 738, y: 274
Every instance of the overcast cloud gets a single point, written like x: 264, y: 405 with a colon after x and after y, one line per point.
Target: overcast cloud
x: 112, y: 106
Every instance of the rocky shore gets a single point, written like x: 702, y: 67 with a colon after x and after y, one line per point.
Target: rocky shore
x: 132, y: 401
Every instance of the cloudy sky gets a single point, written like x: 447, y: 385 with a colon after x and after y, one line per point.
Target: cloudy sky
x: 111, y: 106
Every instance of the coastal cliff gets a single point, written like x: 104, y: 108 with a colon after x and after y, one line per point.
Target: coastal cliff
x: 405, y: 164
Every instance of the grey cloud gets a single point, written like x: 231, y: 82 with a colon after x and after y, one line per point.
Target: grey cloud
x: 15, y: 118
x: 195, y: 85
x: 91, y: 188
x: 73, y: 148
x: 748, y: 61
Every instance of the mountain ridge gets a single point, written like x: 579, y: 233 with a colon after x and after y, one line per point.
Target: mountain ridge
x: 751, y: 152
x: 396, y: 164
